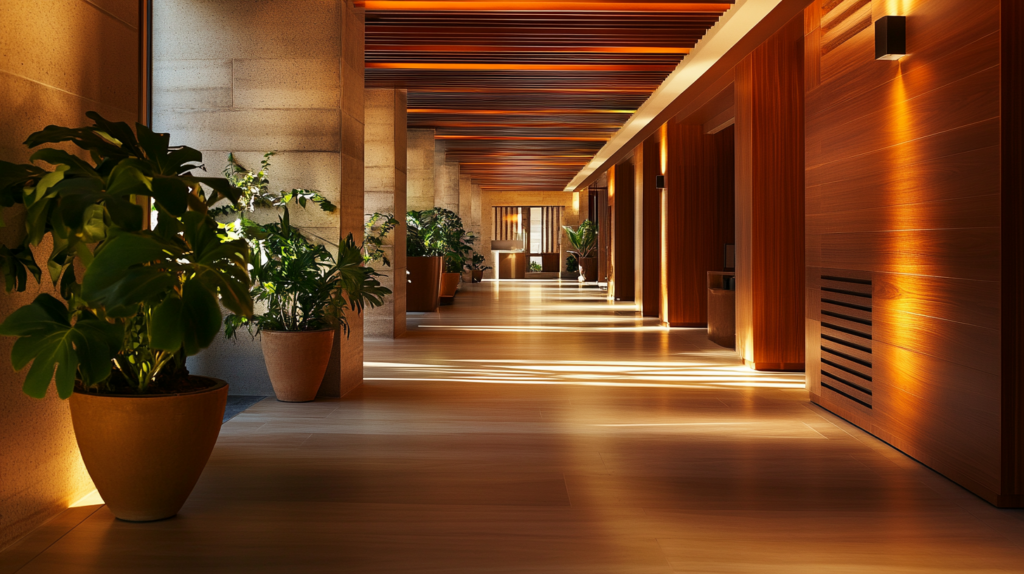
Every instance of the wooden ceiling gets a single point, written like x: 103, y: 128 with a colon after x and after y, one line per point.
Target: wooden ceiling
x: 525, y: 92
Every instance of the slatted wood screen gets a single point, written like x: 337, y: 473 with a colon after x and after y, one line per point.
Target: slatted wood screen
x: 509, y: 223
x: 512, y: 223
x: 551, y: 216
x: 846, y: 336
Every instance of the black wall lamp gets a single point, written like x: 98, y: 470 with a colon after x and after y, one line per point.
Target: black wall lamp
x: 890, y: 37
x: 659, y: 182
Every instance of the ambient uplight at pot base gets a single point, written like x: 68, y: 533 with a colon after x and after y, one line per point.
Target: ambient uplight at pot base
x: 145, y: 452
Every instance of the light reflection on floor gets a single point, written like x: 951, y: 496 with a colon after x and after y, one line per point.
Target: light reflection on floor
x: 517, y: 338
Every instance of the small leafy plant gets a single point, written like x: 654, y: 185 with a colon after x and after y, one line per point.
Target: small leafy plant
x: 535, y: 267
x: 302, y: 284
x: 375, y: 231
x: 477, y: 263
x: 147, y: 299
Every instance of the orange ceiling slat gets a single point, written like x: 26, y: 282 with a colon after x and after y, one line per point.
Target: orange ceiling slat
x: 524, y: 92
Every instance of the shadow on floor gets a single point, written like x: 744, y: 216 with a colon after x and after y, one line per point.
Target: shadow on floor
x: 237, y: 404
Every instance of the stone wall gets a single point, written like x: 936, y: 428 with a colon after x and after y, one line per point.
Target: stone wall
x: 420, y: 166
x: 278, y: 75
x: 57, y: 61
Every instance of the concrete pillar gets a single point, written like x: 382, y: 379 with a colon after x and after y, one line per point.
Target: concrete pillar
x: 385, y: 166
x: 284, y: 76
x: 465, y: 199
x: 446, y: 179
x: 420, y: 169
x: 476, y: 211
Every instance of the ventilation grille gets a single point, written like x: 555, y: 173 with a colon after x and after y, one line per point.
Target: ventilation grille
x: 846, y: 337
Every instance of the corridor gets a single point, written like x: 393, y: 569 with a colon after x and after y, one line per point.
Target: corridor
x: 504, y: 435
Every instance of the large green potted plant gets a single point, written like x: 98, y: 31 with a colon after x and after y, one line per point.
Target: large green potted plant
x: 457, y: 247
x: 583, y: 241
x: 302, y: 288
x: 134, y: 303
x: 424, y: 252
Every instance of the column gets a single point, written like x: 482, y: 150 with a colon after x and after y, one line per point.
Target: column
x: 420, y: 165
x: 385, y: 168
x: 770, y: 203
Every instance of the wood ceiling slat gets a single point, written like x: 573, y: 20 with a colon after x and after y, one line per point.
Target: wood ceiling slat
x: 525, y: 92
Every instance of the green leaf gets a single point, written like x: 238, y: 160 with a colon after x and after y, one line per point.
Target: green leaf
x: 110, y: 266
x: 126, y: 179
x: 76, y: 166
x: 48, y: 340
x: 172, y: 193
x: 200, y: 315
x: 166, y: 328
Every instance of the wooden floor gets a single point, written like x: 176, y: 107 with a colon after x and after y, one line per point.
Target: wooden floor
x: 535, y: 427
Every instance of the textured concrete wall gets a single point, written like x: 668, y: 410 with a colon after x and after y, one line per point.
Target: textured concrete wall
x: 446, y: 179
x: 420, y: 169
x: 55, y: 64
x: 466, y: 199
x: 276, y: 75
x: 385, y: 165
x: 490, y: 199
x: 475, y: 213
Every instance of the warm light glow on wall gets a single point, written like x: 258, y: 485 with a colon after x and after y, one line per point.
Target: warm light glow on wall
x: 576, y: 201
x: 611, y: 183
x: 663, y: 147
x: 483, y: 66
x: 664, y: 255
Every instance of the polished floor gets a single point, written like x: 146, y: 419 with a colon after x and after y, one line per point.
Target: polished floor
x: 535, y: 427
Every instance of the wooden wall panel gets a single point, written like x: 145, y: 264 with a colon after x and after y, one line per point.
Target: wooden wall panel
x: 903, y: 182
x: 1012, y: 244
x: 699, y: 220
x: 651, y: 167
x: 770, y: 202
x: 624, y: 252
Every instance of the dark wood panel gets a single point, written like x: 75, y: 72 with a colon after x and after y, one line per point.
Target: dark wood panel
x: 769, y: 201
x: 963, y: 102
x: 1012, y: 243
x: 962, y: 300
x: 604, y: 232
x: 651, y: 205
x: 624, y: 250
x: 903, y: 181
x: 893, y: 177
x: 959, y: 253
x: 699, y: 217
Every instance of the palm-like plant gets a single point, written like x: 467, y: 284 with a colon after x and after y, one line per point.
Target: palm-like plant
x: 147, y: 298
x: 583, y: 239
x: 439, y: 232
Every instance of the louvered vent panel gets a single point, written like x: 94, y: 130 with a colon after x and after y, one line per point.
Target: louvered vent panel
x: 846, y: 336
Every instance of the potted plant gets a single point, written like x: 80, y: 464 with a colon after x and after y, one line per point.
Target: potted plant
x: 424, y: 252
x: 583, y: 241
x: 456, y: 245
x: 477, y: 268
x: 135, y: 302
x: 302, y: 288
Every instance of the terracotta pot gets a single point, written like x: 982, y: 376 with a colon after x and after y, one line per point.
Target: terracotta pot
x: 450, y: 284
x: 478, y: 275
x: 421, y: 293
x: 146, y: 452
x: 296, y: 362
x: 588, y: 268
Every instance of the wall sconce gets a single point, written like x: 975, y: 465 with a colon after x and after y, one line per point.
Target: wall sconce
x: 890, y: 37
x: 659, y: 182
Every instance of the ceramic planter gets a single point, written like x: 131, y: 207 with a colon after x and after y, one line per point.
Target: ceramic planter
x: 588, y: 268
x: 478, y: 275
x: 296, y: 362
x: 421, y: 293
x: 449, y: 285
x: 146, y: 452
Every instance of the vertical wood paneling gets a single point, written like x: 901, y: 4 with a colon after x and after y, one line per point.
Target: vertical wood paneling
x: 699, y: 214
x: 624, y: 250
x: 1012, y: 395
x: 903, y: 182
x: 651, y: 213
x: 770, y: 202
